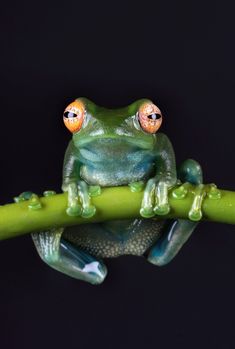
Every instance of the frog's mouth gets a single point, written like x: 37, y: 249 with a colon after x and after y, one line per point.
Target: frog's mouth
x: 115, y: 141
x: 111, y: 149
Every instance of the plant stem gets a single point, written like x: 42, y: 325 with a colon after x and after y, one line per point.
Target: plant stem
x: 113, y: 203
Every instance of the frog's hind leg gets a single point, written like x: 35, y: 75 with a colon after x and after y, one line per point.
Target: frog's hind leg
x: 177, y: 232
x: 68, y: 259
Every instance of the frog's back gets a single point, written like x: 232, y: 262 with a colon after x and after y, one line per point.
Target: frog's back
x: 115, y: 238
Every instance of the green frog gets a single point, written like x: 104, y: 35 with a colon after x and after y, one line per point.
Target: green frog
x: 117, y: 147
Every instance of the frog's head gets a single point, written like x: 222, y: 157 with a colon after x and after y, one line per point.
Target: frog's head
x: 93, y: 126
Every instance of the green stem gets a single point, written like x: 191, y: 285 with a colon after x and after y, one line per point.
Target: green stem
x: 113, y: 203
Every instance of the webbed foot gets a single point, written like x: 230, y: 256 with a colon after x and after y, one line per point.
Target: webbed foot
x: 79, y: 198
x: 199, y: 192
x: 33, y: 200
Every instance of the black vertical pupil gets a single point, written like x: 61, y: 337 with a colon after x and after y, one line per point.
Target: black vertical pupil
x: 69, y: 114
x: 154, y: 116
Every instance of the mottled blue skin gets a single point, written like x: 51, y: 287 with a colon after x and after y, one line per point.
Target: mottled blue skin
x: 112, y: 149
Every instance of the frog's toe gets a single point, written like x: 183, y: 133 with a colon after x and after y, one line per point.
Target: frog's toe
x: 94, y: 190
x: 162, y: 210
x: 201, y: 190
x: 181, y: 191
x: 195, y: 213
x: 48, y: 193
x: 136, y: 187
x: 26, y: 195
x: 147, y: 203
x: 155, y: 199
x: 89, y: 211
x: 79, y: 199
x: 34, y: 202
x: 74, y: 211
x: 85, y: 193
x: 162, y: 206
x: 147, y: 212
x: 213, y: 192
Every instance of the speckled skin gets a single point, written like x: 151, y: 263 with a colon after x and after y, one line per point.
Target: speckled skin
x: 116, y: 238
x: 111, y: 149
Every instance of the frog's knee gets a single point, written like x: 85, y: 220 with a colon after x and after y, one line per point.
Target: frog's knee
x: 157, y: 260
x: 161, y: 254
x: 170, y: 243
x: 190, y: 171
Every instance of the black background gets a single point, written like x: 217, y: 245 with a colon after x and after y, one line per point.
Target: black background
x: 179, y: 54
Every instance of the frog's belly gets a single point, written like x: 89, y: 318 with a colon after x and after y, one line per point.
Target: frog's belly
x: 115, y: 238
x: 116, y: 174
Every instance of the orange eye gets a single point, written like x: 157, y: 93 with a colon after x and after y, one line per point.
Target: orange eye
x: 74, y: 116
x: 150, y: 117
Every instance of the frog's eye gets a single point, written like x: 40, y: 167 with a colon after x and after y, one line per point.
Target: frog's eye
x: 150, y: 117
x: 74, y: 116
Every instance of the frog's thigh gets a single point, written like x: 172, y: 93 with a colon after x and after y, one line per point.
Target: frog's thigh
x: 177, y: 232
x: 68, y: 259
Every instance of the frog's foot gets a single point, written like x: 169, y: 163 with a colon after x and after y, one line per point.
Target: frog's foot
x: 195, y: 213
x: 155, y: 198
x: 81, y: 193
x: 199, y: 192
x: 33, y: 200
x: 136, y: 186
x: 26, y: 195
x: 68, y: 259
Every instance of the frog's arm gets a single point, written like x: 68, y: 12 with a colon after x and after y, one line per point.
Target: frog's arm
x: 155, y: 198
x: 165, y: 160
x: 77, y: 188
x: 71, y: 167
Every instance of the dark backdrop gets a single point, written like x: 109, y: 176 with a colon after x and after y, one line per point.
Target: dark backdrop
x: 179, y: 54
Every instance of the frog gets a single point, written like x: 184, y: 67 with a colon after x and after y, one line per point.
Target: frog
x: 119, y: 147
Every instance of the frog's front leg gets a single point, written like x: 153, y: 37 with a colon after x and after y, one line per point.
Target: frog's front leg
x: 68, y: 259
x: 79, y: 193
x: 155, y: 197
